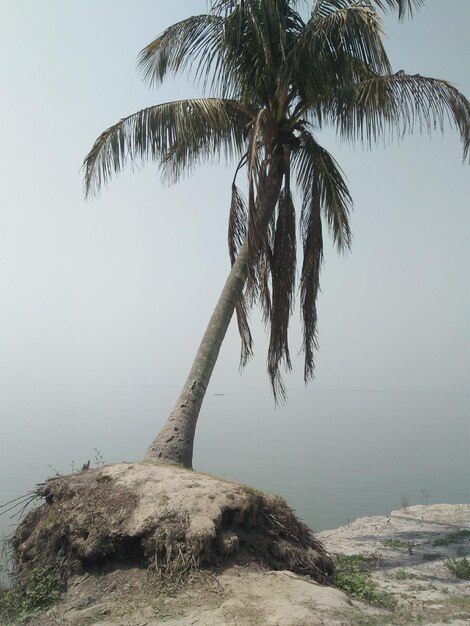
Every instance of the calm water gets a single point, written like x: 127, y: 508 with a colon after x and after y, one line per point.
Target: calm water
x: 333, y: 455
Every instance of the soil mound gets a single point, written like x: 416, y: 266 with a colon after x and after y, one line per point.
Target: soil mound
x: 165, y: 518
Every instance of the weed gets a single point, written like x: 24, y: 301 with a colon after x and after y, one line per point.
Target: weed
x: 405, y: 503
x: 353, y: 577
x: 458, y: 536
x: 429, y: 587
x: 403, y: 574
x: 251, y: 490
x: 40, y: 588
x: 461, y: 603
x: 397, y: 544
x: 55, y: 471
x: 75, y: 469
x: 356, y: 618
x: 459, y: 567
x: 393, y: 543
x: 99, y: 459
x: 426, y: 493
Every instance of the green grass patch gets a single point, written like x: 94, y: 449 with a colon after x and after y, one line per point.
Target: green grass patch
x: 352, y: 575
x: 251, y: 490
x: 398, y: 544
x: 40, y: 588
x: 458, y: 536
x: 459, y: 567
x: 403, y: 574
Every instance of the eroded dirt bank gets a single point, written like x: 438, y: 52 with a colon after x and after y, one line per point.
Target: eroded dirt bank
x: 169, y: 520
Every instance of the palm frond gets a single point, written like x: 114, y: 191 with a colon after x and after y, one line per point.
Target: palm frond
x: 237, y: 229
x: 340, y: 44
x: 246, y: 351
x: 397, y: 103
x: 191, y: 45
x: 259, y: 148
x: 351, y: 30
x: 318, y: 173
x: 256, y: 41
x: 283, y: 284
x: 178, y: 135
x: 263, y: 273
x: 311, y: 228
x: 403, y: 6
x: 237, y: 223
x: 322, y: 7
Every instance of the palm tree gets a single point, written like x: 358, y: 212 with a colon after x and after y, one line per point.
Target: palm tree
x: 273, y: 80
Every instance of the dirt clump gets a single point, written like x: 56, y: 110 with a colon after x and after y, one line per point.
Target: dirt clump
x: 162, y: 518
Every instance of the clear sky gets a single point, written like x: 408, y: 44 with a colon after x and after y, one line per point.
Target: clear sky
x: 103, y: 303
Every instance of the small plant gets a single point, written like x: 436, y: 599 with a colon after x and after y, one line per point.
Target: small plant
x: 431, y: 556
x: 55, y: 471
x: 459, y: 567
x: 40, y: 588
x: 405, y: 503
x: 10, y: 605
x: 403, y: 574
x: 354, y: 578
x: 393, y: 543
x: 75, y: 468
x: 398, y: 544
x: 251, y: 490
x: 459, y: 536
x: 426, y: 493
x: 99, y: 459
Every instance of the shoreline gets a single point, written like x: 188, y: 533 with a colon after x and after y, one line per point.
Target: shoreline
x: 406, y: 551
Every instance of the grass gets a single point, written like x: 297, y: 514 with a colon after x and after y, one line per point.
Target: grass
x: 459, y: 536
x: 352, y: 575
x: 403, y: 574
x: 397, y: 544
x: 459, y: 567
x: 41, y: 587
x: 251, y: 490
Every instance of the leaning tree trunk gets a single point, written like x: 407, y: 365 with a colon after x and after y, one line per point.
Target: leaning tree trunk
x: 174, y: 443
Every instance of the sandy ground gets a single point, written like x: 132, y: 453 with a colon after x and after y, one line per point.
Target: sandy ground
x: 408, y: 563
x: 410, y: 548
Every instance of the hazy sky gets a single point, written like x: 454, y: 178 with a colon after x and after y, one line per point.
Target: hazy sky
x: 103, y: 303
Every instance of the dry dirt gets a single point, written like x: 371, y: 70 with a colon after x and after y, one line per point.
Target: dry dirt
x: 238, y: 596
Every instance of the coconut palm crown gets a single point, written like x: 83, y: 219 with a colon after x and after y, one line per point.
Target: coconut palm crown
x: 272, y: 79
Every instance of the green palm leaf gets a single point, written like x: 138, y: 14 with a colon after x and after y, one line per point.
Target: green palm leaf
x: 321, y: 181
x: 340, y: 44
x: 397, y: 103
x: 178, y: 135
x: 403, y: 6
x: 192, y: 45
